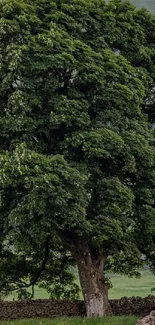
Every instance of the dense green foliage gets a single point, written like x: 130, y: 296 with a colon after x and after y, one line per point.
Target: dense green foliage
x: 77, y: 157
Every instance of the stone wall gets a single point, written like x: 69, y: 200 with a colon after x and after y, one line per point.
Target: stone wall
x: 45, y: 308
x: 42, y: 308
x: 133, y: 306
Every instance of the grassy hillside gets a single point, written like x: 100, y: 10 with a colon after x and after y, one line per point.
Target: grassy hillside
x: 122, y: 286
x: 148, y: 4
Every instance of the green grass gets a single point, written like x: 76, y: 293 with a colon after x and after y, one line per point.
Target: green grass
x: 122, y: 286
x: 126, y: 320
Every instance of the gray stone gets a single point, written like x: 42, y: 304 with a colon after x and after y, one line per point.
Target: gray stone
x: 147, y: 320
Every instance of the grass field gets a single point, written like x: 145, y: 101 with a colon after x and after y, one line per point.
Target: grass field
x: 122, y: 286
x: 131, y: 320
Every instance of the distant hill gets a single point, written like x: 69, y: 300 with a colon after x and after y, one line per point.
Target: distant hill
x: 148, y: 4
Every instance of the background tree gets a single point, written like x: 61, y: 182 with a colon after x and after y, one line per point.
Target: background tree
x: 77, y: 160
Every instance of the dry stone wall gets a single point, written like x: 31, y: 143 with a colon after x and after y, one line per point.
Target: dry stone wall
x: 45, y: 308
x: 133, y: 306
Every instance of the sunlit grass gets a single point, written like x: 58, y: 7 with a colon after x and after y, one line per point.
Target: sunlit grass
x: 122, y: 286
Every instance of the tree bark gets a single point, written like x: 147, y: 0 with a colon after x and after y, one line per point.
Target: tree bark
x: 93, y: 284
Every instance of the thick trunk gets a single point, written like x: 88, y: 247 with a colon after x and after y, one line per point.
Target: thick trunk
x: 93, y: 284
x: 97, y: 304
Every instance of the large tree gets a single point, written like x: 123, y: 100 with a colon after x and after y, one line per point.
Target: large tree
x: 77, y: 161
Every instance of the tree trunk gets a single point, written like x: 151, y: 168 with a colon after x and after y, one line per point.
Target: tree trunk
x: 93, y: 284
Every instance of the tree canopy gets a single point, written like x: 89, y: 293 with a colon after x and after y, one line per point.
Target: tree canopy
x: 77, y: 168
